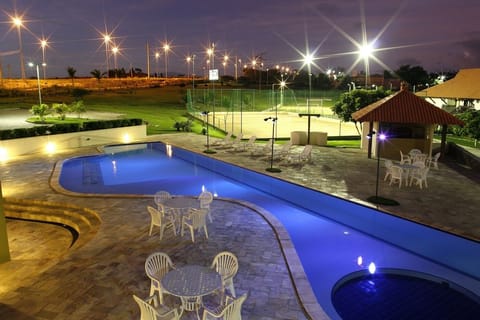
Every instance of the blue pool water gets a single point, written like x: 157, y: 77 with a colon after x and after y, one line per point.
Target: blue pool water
x: 326, y: 231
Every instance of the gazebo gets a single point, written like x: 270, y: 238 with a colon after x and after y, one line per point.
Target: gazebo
x: 407, y: 120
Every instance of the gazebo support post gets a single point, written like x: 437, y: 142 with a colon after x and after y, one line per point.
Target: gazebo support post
x: 443, y: 146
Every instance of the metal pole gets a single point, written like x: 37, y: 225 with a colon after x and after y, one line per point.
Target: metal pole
x: 39, y: 88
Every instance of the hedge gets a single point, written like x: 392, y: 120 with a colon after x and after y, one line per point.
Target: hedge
x: 67, y: 128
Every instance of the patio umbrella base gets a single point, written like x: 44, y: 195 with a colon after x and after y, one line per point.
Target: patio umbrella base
x: 209, y: 151
x: 382, y: 201
x: 273, y: 170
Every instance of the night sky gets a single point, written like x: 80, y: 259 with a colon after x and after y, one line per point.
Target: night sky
x: 439, y: 35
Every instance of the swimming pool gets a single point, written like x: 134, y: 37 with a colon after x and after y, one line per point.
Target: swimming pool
x: 328, y: 250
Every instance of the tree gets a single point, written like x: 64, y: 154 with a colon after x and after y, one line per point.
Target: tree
x: 97, y: 74
x: 78, y: 107
x: 61, y: 109
x: 414, y: 76
x: 472, y: 124
x: 41, y: 111
x: 71, y: 73
x: 352, y: 101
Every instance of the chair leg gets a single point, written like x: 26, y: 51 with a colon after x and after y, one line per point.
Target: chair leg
x: 210, y: 216
x: 206, y: 232
x: 192, y: 233
x: 231, y: 288
x: 162, y: 228
x: 151, y: 229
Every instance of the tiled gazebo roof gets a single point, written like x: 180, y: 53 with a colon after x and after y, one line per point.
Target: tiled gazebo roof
x: 404, y: 107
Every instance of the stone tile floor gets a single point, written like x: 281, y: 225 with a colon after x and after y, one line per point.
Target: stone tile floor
x: 45, y: 280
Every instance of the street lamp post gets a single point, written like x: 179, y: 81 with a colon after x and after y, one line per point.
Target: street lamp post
x: 157, y: 55
x: 166, y: 47
x: 44, y: 44
x: 106, y: 40
x: 115, y: 51
x: 31, y: 64
x: 308, y: 59
x: 381, y: 137
x: 18, y: 23
x: 271, y: 168
x: 205, y: 113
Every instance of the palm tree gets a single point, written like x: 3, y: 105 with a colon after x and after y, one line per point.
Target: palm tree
x: 97, y: 74
x: 71, y: 73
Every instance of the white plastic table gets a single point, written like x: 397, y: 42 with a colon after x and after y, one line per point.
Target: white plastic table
x: 180, y: 206
x: 190, y: 283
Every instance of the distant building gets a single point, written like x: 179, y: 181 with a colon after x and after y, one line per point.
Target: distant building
x: 460, y: 92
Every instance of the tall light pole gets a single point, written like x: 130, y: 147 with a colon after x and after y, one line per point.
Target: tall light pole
x: 43, y: 45
x: 211, y: 55
x: 225, y: 63
x: 115, y: 51
x: 166, y: 48
x: 188, y: 59
x: 17, y: 21
x: 106, y: 41
x: 307, y: 61
x: 31, y: 64
x: 157, y: 55
x: 381, y: 137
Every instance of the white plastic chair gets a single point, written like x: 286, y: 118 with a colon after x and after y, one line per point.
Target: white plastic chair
x: 161, y: 196
x: 161, y: 220
x: 226, y: 264
x: 419, y: 157
x: 244, y: 146
x: 230, y: 143
x: 156, y: 267
x: 223, y: 141
x: 232, y: 310
x: 414, y: 152
x: 433, y: 161
x: 206, y: 198
x: 419, y: 177
x: 388, y: 166
x: 404, y: 158
x: 155, y: 311
x: 302, y: 157
x: 262, y: 150
x: 396, y: 175
x: 283, y: 152
x: 196, y: 219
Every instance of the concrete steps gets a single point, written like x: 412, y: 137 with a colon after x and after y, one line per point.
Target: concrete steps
x: 84, y: 223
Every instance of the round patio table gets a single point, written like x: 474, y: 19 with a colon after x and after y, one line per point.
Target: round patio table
x: 190, y: 283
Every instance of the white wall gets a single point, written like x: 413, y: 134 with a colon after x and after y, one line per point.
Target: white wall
x: 24, y: 146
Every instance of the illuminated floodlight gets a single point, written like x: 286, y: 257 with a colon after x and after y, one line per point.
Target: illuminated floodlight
x: 126, y: 138
x: 3, y: 154
x: 372, y: 268
x: 50, y: 147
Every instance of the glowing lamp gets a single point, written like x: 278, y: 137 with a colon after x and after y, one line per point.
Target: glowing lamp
x: 50, y: 147
x: 359, y: 260
x: 372, y: 268
x: 3, y: 154
x: 126, y: 138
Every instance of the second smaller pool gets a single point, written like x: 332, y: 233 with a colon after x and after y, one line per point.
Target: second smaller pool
x: 401, y: 294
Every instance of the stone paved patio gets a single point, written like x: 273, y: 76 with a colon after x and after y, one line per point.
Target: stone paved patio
x: 46, y: 280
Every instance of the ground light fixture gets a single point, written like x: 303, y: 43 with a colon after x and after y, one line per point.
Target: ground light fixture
x: 208, y: 150
x: 381, y: 137
x: 274, y: 121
